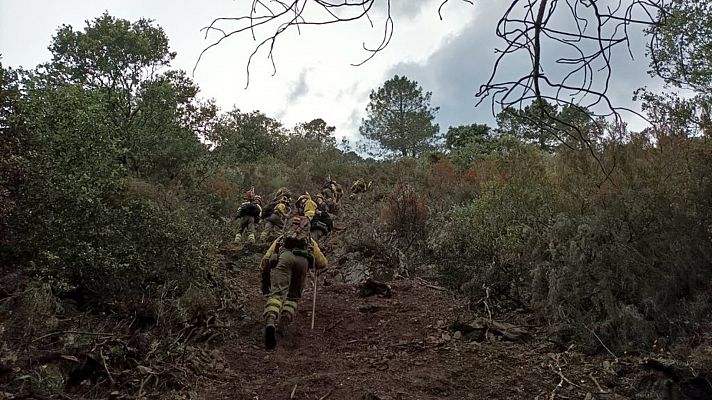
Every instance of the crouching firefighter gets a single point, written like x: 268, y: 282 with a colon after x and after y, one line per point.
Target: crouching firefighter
x: 285, y: 268
x: 322, y: 223
x: 361, y: 186
x: 249, y: 215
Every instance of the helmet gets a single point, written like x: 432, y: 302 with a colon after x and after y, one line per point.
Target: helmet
x: 284, y: 200
x: 283, y: 191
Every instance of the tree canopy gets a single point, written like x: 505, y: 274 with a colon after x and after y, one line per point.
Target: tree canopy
x: 400, y: 118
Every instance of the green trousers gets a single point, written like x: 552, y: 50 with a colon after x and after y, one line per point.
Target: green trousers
x: 273, y: 224
x: 287, y: 280
x: 247, y: 229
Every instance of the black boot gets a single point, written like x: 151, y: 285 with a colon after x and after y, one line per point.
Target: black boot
x: 270, y: 333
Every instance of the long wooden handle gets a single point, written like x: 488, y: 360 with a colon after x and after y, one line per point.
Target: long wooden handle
x: 314, y: 301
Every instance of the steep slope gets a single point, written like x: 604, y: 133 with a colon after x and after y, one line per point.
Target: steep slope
x: 421, y: 343
x: 373, y: 347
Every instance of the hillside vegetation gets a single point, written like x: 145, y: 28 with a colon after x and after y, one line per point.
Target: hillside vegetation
x: 119, y: 186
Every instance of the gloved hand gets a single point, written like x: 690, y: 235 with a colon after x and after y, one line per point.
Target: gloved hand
x: 273, y: 260
x: 310, y: 259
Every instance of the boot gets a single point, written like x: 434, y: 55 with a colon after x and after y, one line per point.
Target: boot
x: 270, y: 332
x: 284, y: 321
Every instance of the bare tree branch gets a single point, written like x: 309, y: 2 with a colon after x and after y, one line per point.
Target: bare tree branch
x: 590, y: 30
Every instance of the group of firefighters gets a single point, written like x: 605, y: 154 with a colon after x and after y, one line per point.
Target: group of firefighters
x: 295, y: 250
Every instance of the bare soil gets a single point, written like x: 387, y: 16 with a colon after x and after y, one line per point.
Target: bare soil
x: 407, y: 347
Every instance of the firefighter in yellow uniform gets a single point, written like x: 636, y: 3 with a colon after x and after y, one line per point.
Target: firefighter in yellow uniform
x: 306, y: 206
x: 249, y: 215
x: 284, y: 271
x: 274, y: 217
x: 360, y: 186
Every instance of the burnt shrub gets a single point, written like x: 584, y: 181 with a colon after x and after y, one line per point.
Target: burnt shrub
x: 405, y: 213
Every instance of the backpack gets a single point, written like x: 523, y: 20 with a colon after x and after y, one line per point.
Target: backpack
x: 248, y: 208
x: 269, y: 209
x: 297, y: 234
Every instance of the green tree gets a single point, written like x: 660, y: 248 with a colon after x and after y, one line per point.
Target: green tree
x: 154, y: 113
x: 12, y: 163
x: 110, y: 149
x: 316, y: 129
x: 400, y: 118
x: 162, y: 141
x: 111, y: 54
x: 681, y: 50
x: 533, y: 124
x: 545, y: 125
x: 681, y: 53
x: 460, y: 136
x: 469, y: 143
x: 240, y: 137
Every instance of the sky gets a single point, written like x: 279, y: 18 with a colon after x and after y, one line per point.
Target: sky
x: 314, y: 77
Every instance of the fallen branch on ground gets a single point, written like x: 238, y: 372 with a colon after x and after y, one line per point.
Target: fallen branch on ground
x: 333, y: 325
x: 431, y: 286
x: 601, y: 342
x: 72, y: 333
x: 326, y: 395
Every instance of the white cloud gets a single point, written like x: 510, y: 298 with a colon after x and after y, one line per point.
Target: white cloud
x: 314, y: 78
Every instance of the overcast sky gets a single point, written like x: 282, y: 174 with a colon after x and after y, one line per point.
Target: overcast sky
x: 314, y: 78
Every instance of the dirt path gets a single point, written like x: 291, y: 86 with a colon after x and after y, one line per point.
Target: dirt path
x: 374, y: 348
x: 405, y: 347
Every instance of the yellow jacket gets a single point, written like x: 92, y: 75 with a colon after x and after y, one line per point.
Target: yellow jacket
x: 310, y: 209
x: 281, y: 210
x: 320, y: 261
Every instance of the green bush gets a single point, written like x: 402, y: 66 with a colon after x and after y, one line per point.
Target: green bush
x: 618, y: 257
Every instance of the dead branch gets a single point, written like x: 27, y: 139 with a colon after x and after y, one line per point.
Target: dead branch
x: 55, y: 333
x: 106, y: 368
x: 430, y: 285
x: 601, y: 342
x: 280, y: 17
x: 333, y: 325
x: 598, y: 385
x: 588, y: 30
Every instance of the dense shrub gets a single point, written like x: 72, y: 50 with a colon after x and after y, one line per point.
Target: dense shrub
x: 614, y: 255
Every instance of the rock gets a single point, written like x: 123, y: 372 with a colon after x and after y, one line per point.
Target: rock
x: 446, y: 336
x: 457, y: 335
x: 371, y: 287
